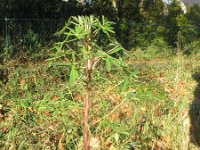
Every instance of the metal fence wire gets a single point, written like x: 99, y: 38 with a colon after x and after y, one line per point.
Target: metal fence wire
x: 28, y: 34
x: 31, y: 34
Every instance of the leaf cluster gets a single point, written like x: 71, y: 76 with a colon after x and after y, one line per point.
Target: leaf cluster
x: 82, y: 38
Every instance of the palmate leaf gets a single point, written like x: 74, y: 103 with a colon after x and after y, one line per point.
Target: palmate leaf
x: 73, y: 75
x: 107, y: 30
x: 74, y: 20
x: 116, y: 47
x: 109, y: 60
x: 64, y: 28
x: 105, y: 26
x: 108, y: 27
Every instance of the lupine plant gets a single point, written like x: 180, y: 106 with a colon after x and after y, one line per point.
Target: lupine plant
x: 82, y: 43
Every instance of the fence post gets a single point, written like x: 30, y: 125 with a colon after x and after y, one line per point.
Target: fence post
x: 179, y: 42
x: 6, y: 23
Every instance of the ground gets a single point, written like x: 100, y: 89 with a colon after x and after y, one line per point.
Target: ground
x: 156, y: 108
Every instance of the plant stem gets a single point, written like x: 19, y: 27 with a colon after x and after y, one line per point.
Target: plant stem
x: 87, y: 107
x: 86, y: 126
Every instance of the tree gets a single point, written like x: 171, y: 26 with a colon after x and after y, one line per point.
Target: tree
x: 129, y: 19
x: 193, y: 15
x: 102, y: 7
x: 153, y: 12
x: 187, y: 30
x: 174, y: 10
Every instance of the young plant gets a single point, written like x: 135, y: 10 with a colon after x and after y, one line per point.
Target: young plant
x: 87, y: 39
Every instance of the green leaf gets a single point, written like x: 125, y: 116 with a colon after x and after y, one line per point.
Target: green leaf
x: 73, y: 57
x: 125, y: 133
x: 108, y: 65
x: 101, y: 54
x: 125, y: 84
x: 63, y: 29
x: 115, y: 50
x: 134, y: 73
x: 115, y: 62
x: 73, y: 75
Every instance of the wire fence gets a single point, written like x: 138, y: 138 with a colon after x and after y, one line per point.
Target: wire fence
x: 138, y: 34
x: 31, y: 34
x: 28, y: 34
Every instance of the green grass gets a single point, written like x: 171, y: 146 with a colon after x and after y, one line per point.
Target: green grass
x: 41, y: 111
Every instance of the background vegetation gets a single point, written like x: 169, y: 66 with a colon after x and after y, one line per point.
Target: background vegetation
x: 32, y: 24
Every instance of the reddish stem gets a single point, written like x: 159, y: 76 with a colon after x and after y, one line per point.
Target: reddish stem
x: 86, y: 118
x: 87, y: 107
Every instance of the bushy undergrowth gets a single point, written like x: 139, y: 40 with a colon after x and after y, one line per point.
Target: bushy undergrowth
x: 39, y: 110
x: 192, y: 48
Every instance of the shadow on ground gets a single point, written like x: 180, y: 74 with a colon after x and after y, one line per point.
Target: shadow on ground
x: 195, y: 113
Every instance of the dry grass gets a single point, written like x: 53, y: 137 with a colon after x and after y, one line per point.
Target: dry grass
x: 38, y: 109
